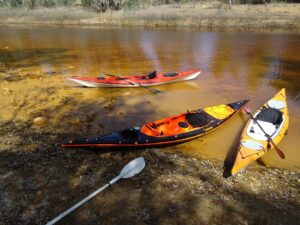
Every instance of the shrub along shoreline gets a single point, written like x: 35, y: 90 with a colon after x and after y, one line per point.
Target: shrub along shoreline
x: 201, y: 16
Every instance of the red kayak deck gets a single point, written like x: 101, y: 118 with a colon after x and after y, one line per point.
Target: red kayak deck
x: 135, y: 80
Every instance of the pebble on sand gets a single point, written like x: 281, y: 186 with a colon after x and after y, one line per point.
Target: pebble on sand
x: 39, y: 120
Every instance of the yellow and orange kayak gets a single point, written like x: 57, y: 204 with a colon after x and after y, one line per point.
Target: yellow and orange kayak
x: 169, y: 131
x: 146, y: 80
x: 273, y: 118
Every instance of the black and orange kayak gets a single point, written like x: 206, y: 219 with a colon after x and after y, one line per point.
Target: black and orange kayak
x: 169, y: 131
x: 150, y: 79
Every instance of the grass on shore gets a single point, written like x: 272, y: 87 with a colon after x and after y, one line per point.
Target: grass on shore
x: 210, y: 15
x: 46, y: 14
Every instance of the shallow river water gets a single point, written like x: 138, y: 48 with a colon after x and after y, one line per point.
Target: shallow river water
x: 35, y: 62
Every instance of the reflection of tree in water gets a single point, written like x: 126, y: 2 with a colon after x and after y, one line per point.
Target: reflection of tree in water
x: 284, y: 73
x: 282, y: 67
x: 238, y: 57
x: 29, y: 57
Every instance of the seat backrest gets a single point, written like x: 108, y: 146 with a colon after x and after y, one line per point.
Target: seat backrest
x: 197, y: 119
x: 151, y: 75
x: 270, y: 115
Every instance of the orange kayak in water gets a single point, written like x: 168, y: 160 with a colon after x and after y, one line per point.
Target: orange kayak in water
x: 169, y: 131
x: 273, y: 118
x: 150, y: 79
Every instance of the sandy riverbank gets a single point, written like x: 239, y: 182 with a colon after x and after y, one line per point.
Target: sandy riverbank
x: 39, y: 179
x: 204, y: 16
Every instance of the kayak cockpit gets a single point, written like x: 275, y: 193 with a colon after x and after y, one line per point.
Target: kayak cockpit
x: 177, y: 125
x: 270, y: 119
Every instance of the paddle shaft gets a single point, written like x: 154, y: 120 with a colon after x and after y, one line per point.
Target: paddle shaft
x: 134, y: 83
x: 280, y: 153
x: 83, y: 201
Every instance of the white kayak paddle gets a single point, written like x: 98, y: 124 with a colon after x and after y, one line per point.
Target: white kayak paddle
x: 132, y: 168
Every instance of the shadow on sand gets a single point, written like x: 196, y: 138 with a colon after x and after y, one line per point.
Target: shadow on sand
x: 39, y: 179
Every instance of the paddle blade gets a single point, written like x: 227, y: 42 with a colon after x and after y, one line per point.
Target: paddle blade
x: 133, y: 168
x: 279, y: 152
x: 155, y: 91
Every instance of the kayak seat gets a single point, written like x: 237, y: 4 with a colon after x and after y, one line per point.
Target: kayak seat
x: 256, y: 133
x: 198, y: 119
x: 100, y: 78
x: 170, y: 74
x: 269, y: 119
x: 270, y: 115
x: 151, y: 75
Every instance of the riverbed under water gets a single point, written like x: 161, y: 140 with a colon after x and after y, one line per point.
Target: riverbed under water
x: 35, y: 62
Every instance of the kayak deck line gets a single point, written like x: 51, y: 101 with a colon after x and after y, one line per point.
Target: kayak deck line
x: 168, y: 131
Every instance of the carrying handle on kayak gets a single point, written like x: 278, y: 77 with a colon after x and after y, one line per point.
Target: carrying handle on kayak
x: 279, y: 152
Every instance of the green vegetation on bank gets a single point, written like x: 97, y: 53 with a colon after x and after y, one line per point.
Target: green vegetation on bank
x: 103, y: 5
x: 198, y: 14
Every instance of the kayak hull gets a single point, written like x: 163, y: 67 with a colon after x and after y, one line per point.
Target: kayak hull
x: 253, y: 142
x: 134, y: 81
x: 165, y: 132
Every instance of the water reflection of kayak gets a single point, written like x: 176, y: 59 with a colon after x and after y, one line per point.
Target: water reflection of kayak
x: 150, y: 79
x: 172, y: 130
x: 273, y: 118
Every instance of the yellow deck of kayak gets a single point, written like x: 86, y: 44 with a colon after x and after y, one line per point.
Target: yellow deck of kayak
x: 246, y: 155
